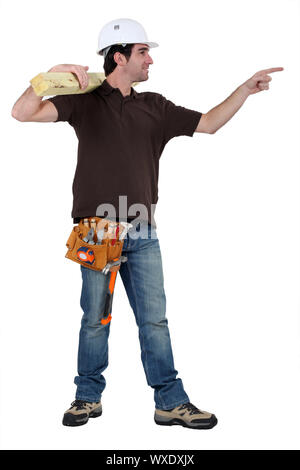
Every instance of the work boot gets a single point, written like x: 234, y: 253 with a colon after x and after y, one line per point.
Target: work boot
x: 186, y: 415
x: 80, y: 412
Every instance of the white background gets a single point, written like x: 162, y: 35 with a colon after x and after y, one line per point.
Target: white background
x: 231, y: 268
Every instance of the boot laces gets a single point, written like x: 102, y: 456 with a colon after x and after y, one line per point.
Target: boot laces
x: 193, y: 410
x: 79, y: 404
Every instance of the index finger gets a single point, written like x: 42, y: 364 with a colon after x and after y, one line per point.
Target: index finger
x: 274, y: 69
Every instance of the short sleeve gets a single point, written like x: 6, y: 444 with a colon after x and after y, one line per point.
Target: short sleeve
x: 178, y: 120
x: 66, y: 107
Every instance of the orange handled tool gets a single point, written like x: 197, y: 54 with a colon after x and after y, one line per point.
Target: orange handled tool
x: 114, y: 268
x: 109, y: 297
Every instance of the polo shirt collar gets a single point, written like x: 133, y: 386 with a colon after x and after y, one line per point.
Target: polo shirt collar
x: 105, y: 88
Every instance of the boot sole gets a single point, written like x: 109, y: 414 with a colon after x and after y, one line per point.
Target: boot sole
x: 180, y: 422
x: 68, y: 422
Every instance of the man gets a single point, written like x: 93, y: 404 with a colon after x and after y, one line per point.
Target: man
x: 121, y: 136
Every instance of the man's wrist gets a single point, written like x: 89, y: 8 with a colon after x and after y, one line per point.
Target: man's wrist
x: 244, y: 90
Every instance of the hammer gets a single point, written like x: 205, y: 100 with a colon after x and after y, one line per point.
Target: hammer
x: 106, y: 268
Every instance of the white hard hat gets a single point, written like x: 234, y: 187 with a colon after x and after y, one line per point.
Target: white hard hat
x: 122, y: 31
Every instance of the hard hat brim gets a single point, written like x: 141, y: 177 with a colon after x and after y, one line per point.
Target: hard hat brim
x: 150, y: 44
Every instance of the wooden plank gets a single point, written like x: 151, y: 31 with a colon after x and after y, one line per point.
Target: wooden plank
x: 61, y: 83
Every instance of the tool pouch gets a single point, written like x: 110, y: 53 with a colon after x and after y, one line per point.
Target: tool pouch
x: 93, y: 256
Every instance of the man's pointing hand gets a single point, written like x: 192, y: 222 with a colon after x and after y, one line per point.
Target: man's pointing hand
x: 260, y: 80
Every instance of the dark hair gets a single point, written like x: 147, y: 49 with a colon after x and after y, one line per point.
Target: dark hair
x: 109, y: 62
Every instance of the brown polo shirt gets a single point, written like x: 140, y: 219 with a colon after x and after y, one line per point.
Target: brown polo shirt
x: 120, y: 141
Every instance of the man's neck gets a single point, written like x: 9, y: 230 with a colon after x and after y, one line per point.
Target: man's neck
x: 123, y: 83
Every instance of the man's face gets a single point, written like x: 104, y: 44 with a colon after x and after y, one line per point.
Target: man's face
x: 138, y: 64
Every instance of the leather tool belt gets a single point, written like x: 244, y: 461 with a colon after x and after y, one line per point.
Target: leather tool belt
x: 95, y: 243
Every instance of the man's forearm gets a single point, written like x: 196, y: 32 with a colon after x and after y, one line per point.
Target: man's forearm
x: 221, y: 114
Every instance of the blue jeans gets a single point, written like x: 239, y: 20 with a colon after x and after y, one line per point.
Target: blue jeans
x: 142, y: 277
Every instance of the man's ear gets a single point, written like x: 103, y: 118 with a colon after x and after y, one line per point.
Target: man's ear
x: 120, y: 59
